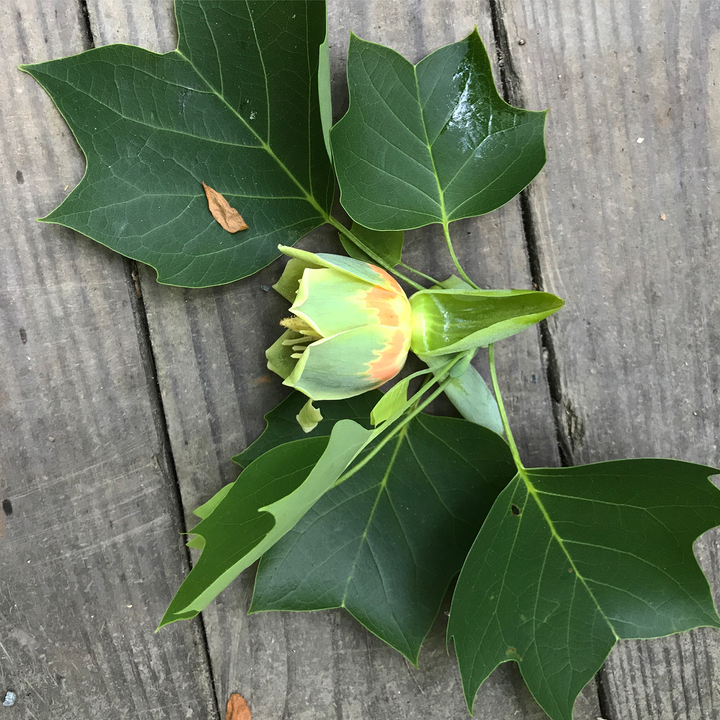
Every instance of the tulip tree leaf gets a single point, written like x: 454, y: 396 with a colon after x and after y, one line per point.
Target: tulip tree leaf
x: 236, y: 106
x: 282, y: 427
x: 432, y: 142
x: 386, y: 542
x: 270, y: 496
x: 571, y: 560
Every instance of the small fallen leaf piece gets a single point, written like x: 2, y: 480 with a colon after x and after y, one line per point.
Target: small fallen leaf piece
x: 237, y: 708
x: 228, y: 217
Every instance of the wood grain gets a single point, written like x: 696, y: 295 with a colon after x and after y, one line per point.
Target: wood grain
x: 209, y: 347
x: 90, y: 547
x: 626, y: 229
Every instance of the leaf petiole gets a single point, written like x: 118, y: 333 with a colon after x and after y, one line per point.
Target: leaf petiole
x: 448, y: 241
x: 417, y: 408
x: 421, y: 274
x: 503, y: 415
x: 369, y: 251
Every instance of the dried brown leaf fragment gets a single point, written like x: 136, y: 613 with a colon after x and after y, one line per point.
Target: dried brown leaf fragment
x: 228, y: 217
x: 237, y: 708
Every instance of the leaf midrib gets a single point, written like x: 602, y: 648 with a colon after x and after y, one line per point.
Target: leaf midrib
x: 532, y: 491
x: 264, y: 145
x: 381, y: 489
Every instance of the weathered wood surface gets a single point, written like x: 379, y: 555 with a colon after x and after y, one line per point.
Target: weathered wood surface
x: 625, y: 222
x: 633, y: 370
x: 90, y: 549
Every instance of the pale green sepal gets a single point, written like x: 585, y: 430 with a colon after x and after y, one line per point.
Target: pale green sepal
x: 390, y: 402
x: 471, y: 396
x: 324, y: 90
x: 450, y: 321
x: 337, y: 367
x: 309, y: 417
x: 346, y: 441
x: 289, y: 281
x: 350, y: 266
x: 279, y: 355
x: 387, y: 245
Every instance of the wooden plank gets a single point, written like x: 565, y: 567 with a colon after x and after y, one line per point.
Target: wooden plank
x: 209, y: 347
x: 626, y: 226
x: 89, y: 547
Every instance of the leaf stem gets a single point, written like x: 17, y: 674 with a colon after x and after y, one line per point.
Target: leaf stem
x: 400, y: 428
x: 448, y: 241
x: 418, y: 272
x: 503, y: 415
x: 415, y: 399
x: 369, y: 251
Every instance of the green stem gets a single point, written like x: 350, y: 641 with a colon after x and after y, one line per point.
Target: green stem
x: 448, y: 241
x: 400, y: 428
x: 368, y: 251
x: 421, y: 274
x: 415, y: 399
x: 503, y: 415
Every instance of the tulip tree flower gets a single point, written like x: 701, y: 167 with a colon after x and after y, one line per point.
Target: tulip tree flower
x: 350, y: 330
x: 352, y: 325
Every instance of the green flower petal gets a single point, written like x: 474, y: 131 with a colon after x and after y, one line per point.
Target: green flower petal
x: 340, y: 366
x: 279, y: 354
x: 332, y: 302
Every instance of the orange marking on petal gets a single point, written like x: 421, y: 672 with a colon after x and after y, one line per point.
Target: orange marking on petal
x: 387, y: 277
x: 390, y: 359
x: 387, y: 304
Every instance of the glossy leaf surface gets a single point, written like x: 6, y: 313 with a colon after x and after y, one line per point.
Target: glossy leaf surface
x: 450, y: 321
x: 386, y: 542
x: 236, y: 106
x: 270, y: 496
x: 570, y: 560
x: 432, y: 142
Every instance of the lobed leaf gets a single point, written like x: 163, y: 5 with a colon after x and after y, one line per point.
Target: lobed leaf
x: 432, y: 142
x: 236, y: 106
x: 570, y: 560
x: 281, y: 425
x: 247, y: 519
x: 386, y: 543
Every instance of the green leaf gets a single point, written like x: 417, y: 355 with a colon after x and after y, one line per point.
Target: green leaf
x: 270, y: 496
x: 386, y: 245
x: 570, y: 560
x: 432, y: 142
x: 236, y: 106
x: 470, y: 394
x: 386, y: 543
x: 282, y: 426
x: 391, y: 401
x: 450, y: 321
